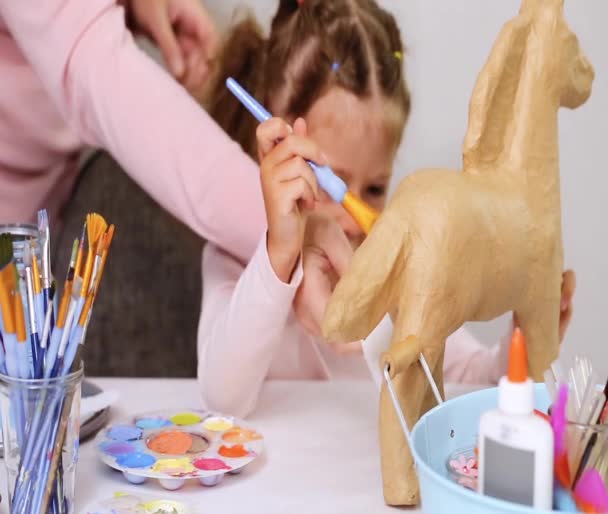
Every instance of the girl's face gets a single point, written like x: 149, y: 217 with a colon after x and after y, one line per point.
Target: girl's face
x: 354, y: 136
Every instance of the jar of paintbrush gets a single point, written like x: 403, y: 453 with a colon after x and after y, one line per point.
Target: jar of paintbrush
x: 41, y: 419
x: 41, y: 367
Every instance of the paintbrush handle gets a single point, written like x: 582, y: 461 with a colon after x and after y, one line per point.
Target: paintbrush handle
x: 46, y: 295
x: 40, y: 312
x: 327, y: 179
x: 57, y: 452
x: 250, y: 103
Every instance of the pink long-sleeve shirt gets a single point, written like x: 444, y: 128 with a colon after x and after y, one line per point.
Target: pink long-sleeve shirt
x: 72, y: 74
x: 248, y: 333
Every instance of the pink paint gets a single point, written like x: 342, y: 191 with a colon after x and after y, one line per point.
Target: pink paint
x: 210, y: 464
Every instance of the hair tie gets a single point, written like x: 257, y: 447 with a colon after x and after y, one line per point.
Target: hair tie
x: 335, y: 66
x: 398, y: 55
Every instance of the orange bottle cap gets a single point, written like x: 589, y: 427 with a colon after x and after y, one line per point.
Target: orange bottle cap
x: 518, y: 358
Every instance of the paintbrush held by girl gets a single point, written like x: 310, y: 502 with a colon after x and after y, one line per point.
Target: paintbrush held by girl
x: 333, y: 72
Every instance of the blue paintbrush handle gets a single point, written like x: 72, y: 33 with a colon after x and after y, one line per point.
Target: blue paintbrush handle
x: 40, y: 311
x: 252, y: 105
x: 333, y: 185
x: 35, y: 346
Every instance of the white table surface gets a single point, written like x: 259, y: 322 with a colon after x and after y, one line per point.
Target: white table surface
x: 321, y: 450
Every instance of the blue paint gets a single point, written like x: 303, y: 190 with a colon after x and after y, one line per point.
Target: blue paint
x: 116, y: 448
x: 151, y: 423
x: 124, y: 433
x: 135, y: 460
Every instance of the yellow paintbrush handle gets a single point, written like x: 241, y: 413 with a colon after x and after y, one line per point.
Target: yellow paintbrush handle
x: 362, y: 213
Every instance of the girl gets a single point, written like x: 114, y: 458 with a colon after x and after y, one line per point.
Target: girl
x: 338, y: 65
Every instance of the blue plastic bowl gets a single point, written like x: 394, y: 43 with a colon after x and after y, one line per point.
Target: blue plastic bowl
x: 450, y: 427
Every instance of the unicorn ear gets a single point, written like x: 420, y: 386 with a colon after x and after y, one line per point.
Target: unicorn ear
x: 533, y: 4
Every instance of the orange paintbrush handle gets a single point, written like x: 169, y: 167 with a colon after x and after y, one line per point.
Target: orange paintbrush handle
x: 7, y: 307
x: 86, y: 308
x: 63, y: 306
x: 362, y: 213
x: 19, y: 319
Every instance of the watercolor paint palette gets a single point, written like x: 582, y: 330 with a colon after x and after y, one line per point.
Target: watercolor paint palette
x: 173, y: 446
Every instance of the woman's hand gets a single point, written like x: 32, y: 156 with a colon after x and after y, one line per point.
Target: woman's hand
x: 289, y: 187
x: 326, y: 256
x: 183, y: 31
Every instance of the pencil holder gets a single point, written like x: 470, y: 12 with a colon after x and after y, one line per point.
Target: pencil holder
x: 40, y: 426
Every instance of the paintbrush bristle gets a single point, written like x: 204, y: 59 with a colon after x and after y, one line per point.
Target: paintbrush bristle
x: 72, y: 265
x: 6, y: 249
x: 96, y: 227
x: 110, y: 235
x: 102, y: 244
x: 43, y: 221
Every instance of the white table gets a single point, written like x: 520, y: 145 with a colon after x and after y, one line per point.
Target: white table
x: 321, y: 450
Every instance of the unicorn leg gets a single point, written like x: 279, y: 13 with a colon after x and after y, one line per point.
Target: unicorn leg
x: 414, y: 393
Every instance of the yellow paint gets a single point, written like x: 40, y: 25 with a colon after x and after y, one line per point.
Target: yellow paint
x: 218, y: 424
x: 186, y: 418
x: 172, y: 466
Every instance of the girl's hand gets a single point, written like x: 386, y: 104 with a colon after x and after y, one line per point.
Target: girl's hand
x: 565, y: 313
x: 326, y: 256
x: 289, y: 187
x: 184, y: 33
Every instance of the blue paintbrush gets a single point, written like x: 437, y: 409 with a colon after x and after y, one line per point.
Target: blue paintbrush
x: 333, y: 185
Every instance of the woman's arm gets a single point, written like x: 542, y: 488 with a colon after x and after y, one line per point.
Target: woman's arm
x: 242, y: 324
x: 468, y: 361
x: 116, y: 97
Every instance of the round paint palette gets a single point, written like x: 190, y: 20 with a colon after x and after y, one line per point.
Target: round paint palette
x: 177, y: 445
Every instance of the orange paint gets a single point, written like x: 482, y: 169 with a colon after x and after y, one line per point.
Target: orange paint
x: 171, y: 443
x: 233, y: 452
x: 241, y: 435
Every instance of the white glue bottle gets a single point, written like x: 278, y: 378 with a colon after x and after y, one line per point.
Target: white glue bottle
x: 515, y: 445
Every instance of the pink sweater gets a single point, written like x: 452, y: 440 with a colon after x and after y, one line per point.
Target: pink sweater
x: 248, y: 333
x: 72, y: 74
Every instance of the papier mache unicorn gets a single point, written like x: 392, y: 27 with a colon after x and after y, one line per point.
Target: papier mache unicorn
x: 470, y: 245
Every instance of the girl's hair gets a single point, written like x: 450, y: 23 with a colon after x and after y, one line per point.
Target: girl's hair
x: 313, y: 45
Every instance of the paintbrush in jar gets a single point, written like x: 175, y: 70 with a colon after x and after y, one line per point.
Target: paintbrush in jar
x: 61, y: 430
